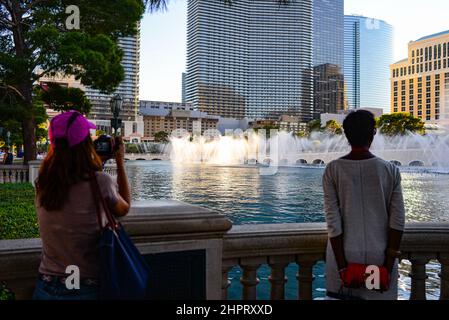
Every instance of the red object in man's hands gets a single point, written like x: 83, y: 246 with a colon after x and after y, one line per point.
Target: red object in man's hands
x: 354, y: 276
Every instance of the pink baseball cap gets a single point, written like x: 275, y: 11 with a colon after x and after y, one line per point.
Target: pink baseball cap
x: 72, y: 126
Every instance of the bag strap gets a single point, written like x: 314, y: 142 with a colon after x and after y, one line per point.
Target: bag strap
x: 99, y: 200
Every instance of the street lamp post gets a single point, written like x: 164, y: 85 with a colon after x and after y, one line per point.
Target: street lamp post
x: 116, y: 107
x: 8, y: 137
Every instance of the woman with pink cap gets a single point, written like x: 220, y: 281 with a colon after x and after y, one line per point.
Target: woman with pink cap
x: 66, y: 208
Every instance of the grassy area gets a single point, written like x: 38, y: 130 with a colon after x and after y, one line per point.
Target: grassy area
x: 17, y: 214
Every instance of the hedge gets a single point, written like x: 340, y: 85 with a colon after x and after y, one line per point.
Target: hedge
x: 17, y: 213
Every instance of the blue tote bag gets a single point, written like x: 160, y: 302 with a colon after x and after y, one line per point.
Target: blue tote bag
x: 124, y: 273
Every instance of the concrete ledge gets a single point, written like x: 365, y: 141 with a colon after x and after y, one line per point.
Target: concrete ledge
x: 155, y: 226
x: 162, y: 220
x: 308, y: 238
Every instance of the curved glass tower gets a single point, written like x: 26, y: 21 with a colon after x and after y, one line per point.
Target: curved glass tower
x: 368, y: 55
x: 251, y: 58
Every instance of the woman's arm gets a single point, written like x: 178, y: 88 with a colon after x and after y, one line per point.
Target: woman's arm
x: 124, y: 203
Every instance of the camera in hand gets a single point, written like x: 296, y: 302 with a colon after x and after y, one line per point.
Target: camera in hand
x: 104, y: 146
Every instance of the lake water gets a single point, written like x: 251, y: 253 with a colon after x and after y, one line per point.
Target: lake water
x: 293, y: 195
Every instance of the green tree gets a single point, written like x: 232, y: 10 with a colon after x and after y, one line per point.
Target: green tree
x: 34, y: 42
x: 314, y: 125
x: 131, y: 148
x: 161, y: 137
x: 399, y: 124
x: 333, y: 127
x: 61, y: 98
x: 11, y: 116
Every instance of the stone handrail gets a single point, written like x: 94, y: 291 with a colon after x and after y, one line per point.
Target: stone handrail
x: 250, y: 246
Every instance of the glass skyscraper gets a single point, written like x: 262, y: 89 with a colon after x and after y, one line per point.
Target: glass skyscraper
x: 328, y: 50
x: 368, y: 53
x: 250, y: 58
x: 328, y: 30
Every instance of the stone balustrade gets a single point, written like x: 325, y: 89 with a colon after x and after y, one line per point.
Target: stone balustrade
x: 28, y: 173
x: 160, y: 227
x: 14, y: 174
x: 278, y: 245
x: 156, y: 227
x: 110, y: 169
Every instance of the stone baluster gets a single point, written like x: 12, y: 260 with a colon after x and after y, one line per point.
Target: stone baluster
x: 418, y: 276
x: 12, y: 176
x: 2, y: 176
x: 225, y: 283
x: 277, y: 277
x: 444, y: 276
x: 249, y: 278
x: 305, y: 279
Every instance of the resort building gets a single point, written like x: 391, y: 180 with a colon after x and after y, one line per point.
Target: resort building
x: 251, y: 58
x: 169, y: 116
x: 368, y: 52
x: 420, y: 83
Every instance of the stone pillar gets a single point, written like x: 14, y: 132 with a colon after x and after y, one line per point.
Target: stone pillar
x: 418, y: 276
x: 225, y: 283
x: 305, y: 279
x: 277, y: 277
x: 444, y: 276
x: 33, y: 172
x: 249, y: 278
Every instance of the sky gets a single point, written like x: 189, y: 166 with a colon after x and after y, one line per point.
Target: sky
x: 164, y: 36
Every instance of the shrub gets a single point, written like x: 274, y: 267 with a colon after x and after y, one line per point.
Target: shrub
x: 17, y: 213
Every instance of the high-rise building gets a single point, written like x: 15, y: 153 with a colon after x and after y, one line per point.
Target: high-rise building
x: 250, y: 58
x: 183, y: 94
x: 328, y: 51
x: 328, y: 32
x: 128, y: 89
x: 368, y: 52
x: 328, y: 89
x: 420, y: 83
x: 159, y: 116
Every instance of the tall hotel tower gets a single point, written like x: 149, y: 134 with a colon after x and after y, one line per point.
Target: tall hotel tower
x: 328, y: 50
x: 368, y: 54
x: 250, y: 58
x: 420, y: 83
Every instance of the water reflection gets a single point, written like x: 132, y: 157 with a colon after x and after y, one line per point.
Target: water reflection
x: 293, y: 195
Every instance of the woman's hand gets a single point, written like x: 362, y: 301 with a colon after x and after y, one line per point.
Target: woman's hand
x: 119, y: 147
x: 123, y: 205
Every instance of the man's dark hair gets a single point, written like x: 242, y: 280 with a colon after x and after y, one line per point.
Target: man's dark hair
x: 359, y: 128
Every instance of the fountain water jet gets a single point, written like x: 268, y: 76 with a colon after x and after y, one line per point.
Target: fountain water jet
x: 431, y: 150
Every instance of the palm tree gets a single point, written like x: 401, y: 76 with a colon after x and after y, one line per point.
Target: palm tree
x: 158, y: 5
